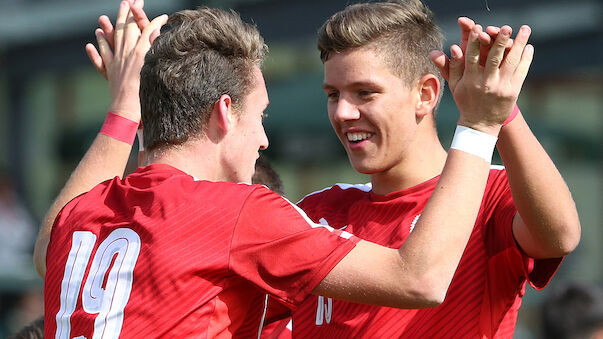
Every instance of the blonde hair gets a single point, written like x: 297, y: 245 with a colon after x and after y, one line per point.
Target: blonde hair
x: 403, y: 32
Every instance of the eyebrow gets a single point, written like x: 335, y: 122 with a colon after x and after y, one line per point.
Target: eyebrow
x: 326, y: 86
x: 356, y: 84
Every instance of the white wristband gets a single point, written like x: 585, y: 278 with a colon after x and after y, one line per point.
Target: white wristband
x: 474, y: 142
x: 140, y: 144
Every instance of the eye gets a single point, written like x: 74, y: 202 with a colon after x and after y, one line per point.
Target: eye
x: 365, y: 93
x: 332, y: 96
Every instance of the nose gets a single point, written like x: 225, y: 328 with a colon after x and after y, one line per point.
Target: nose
x: 264, y: 141
x: 344, y: 110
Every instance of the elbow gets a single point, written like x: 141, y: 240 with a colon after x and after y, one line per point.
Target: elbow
x: 564, y: 242
x: 434, y: 292
x: 40, y: 268
x: 570, y: 240
x: 39, y: 259
x: 429, y: 291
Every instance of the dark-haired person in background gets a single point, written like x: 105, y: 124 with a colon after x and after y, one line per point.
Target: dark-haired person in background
x: 573, y: 311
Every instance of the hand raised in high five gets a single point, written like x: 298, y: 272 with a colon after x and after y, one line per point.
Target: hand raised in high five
x: 486, y: 94
x: 120, y: 56
x: 108, y: 32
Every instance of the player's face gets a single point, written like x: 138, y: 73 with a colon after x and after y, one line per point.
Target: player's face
x: 371, y: 109
x: 249, y: 133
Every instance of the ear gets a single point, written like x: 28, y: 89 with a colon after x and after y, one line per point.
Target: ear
x: 222, y: 114
x: 427, y: 94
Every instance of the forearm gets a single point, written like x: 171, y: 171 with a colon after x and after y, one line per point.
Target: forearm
x: 105, y: 159
x: 549, y: 225
x: 419, y: 273
x: 434, y: 248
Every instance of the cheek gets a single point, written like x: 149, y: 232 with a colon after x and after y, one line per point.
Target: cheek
x: 331, y: 108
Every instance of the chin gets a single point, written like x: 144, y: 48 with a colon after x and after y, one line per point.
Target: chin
x: 364, y: 167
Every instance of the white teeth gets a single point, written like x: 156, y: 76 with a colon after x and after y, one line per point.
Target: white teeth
x: 358, y: 136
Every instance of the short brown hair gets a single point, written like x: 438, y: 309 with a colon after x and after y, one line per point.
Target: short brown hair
x: 203, y: 54
x: 404, y: 32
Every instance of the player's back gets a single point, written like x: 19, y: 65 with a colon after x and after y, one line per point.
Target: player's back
x: 152, y: 249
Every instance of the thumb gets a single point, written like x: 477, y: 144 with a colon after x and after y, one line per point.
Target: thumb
x: 154, y: 36
x: 152, y: 31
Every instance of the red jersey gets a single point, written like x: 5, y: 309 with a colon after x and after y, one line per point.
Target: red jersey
x: 485, y: 293
x: 161, y: 254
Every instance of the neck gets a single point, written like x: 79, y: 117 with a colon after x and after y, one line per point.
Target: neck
x: 424, y: 159
x: 195, y: 157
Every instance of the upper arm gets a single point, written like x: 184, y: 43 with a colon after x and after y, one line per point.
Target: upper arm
x: 373, y: 274
x: 43, y: 239
x: 539, y: 244
x: 530, y: 245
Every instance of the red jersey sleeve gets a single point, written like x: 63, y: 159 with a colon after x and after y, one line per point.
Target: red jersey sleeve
x: 278, y: 248
x: 537, y: 271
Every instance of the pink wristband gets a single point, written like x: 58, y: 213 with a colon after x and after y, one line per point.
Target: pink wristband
x: 119, y: 128
x: 512, y: 115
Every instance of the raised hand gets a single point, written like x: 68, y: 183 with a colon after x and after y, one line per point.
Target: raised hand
x: 485, y: 38
x: 120, y: 57
x: 108, y: 32
x: 485, y: 94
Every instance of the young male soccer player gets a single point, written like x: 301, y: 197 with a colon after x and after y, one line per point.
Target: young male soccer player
x: 382, y: 94
x: 178, y: 249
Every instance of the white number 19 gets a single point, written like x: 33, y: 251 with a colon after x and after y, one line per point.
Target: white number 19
x: 108, y: 303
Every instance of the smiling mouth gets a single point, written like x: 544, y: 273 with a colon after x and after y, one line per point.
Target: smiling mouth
x: 358, y: 137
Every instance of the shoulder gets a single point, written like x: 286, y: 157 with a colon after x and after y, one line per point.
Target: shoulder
x: 214, y: 190
x: 338, y: 193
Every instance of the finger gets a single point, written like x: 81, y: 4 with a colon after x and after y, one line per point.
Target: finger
x: 524, y: 65
x: 456, y: 66
x: 152, y: 28
x: 131, y: 33
x: 466, y: 26
x: 472, y: 52
x: 441, y: 61
x: 120, y: 23
x: 103, y: 47
x: 485, y: 39
x: 485, y: 44
x: 107, y: 27
x: 483, y: 54
x: 496, y: 54
x: 493, y: 31
x: 96, y: 59
x: 515, y: 54
x: 139, y: 15
x: 154, y: 36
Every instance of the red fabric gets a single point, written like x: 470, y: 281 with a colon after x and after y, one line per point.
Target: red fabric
x: 120, y: 128
x: 277, y: 330
x: 486, y: 290
x: 209, y: 252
